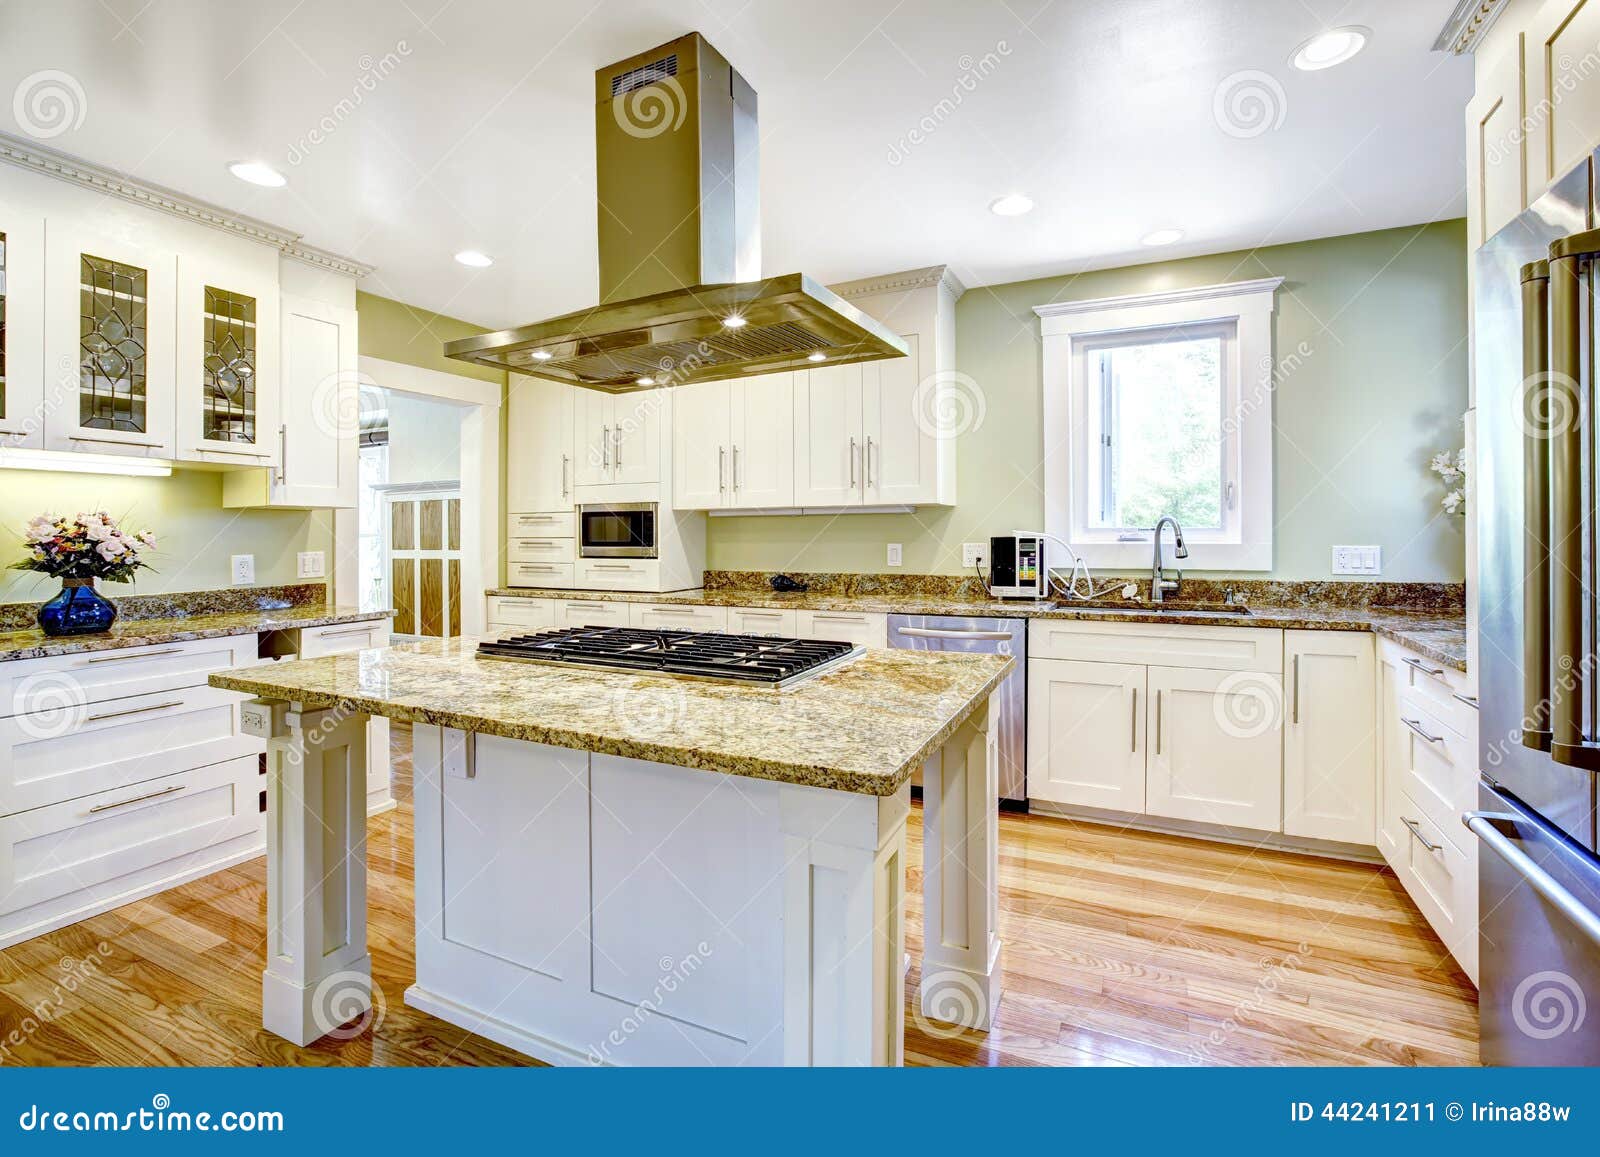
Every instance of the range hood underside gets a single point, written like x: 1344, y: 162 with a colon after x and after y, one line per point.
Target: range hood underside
x: 678, y: 337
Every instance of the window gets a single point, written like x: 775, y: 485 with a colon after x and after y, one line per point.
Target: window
x: 1161, y: 405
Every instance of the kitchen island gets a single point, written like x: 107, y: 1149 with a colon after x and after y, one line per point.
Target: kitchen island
x: 639, y: 869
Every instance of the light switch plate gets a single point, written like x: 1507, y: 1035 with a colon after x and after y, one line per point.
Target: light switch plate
x: 243, y: 569
x: 1358, y: 560
x: 894, y: 554
x: 974, y: 554
x: 311, y: 564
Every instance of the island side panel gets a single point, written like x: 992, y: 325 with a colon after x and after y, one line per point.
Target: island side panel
x: 318, y: 975
x: 960, y: 829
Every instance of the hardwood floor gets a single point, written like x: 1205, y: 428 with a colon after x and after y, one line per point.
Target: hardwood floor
x: 1120, y: 949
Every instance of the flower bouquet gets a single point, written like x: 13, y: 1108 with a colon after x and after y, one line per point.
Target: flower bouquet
x: 77, y: 551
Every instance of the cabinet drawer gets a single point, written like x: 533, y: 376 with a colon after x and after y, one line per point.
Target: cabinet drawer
x: 541, y: 550
x: 1436, y: 684
x: 611, y: 574
x: 559, y: 524
x: 49, y: 757
x: 339, y: 638
x: 66, y: 681
x: 1158, y: 644
x: 677, y: 617
x: 761, y: 621
x: 537, y: 614
x: 549, y: 575
x: 1438, y: 766
x: 583, y: 613
x: 1443, y: 880
x: 85, y: 843
x: 869, y: 629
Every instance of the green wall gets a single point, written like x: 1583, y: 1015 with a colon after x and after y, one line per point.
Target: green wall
x: 1380, y: 384
x: 398, y: 332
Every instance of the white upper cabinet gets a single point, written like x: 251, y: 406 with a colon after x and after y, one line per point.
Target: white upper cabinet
x: 539, y: 463
x: 1497, y: 185
x: 22, y: 396
x: 227, y: 363
x: 110, y: 342
x: 828, y: 436
x: 591, y: 437
x: 1330, y: 739
x: 702, y: 428
x: 733, y: 444
x: 1562, y: 93
x: 900, y: 423
x: 616, y: 444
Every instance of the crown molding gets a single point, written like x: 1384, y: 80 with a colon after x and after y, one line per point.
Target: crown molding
x: 36, y: 158
x: 925, y: 278
x: 1165, y: 297
x: 1467, y: 24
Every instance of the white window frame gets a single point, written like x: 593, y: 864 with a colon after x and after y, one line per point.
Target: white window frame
x: 1070, y: 330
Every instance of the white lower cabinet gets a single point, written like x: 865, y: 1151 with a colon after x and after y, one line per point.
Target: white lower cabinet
x: 1330, y: 741
x: 514, y: 614
x: 1216, y: 753
x: 587, y: 613
x: 865, y: 628
x: 761, y: 621
x: 1086, y: 733
x: 677, y: 617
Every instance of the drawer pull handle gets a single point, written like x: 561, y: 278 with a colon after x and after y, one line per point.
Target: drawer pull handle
x: 105, y: 807
x: 133, y: 711
x: 610, y: 566
x: 1412, y: 824
x: 1470, y: 700
x: 141, y: 655
x: 1419, y: 665
x: 344, y: 634
x: 673, y: 610
x: 1416, y: 726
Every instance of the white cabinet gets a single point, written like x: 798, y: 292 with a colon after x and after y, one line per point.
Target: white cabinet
x: 539, y: 457
x: 827, y: 436
x: 677, y: 617
x: 344, y: 638
x: 762, y: 621
x: 110, y: 342
x: 1562, y: 91
x: 227, y: 363
x: 1216, y: 753
x: 733, y: 444
x: 1330, y: 737
x: 588, y: 613
x: 22, y: 378
x: 869, y: 629
x: 905, y: 424
x: 1497, y: 185
x: 503, y: 614
x: 617, y: 441
x: 1086, y: 734
x: 318, y: 414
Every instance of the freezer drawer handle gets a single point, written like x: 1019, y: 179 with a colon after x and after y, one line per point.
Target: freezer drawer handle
x: 1481, y: 824
x: 936, y: 633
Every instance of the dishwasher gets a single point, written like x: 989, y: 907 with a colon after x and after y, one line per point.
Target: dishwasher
x: 983, y: 637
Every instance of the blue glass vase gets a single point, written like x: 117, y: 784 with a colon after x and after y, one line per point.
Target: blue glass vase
x: 78, y: 610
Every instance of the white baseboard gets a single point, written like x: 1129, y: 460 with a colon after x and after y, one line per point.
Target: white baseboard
x: 1242, y: 837
x: 538, y: 1047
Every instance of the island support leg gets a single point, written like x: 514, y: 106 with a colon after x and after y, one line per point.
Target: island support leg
x: 960, y: 877
x: 318, y: 975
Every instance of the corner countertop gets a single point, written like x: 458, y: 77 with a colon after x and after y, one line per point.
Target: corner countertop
x: 35, y: 644
x: 1437, y: 635
x: 861, y: 728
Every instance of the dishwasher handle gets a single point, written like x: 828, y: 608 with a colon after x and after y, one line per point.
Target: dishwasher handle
x: 1481, y: 824
x: 939, y: 633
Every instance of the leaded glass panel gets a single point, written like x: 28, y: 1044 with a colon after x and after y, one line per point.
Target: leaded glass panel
x: 112, y: 336
x: 230, y: 367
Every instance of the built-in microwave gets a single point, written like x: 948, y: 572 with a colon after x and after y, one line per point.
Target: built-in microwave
x: 617, y: 530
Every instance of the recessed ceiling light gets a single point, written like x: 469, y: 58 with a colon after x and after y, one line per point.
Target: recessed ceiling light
x: 541, y: 355
x: 1162, y: 237
x: 817, y: 357
x: 645, y: 382
x: 1326, y: 49
x: 475, y: 259
x: 1011, y: 205
x: 733, y: 321
x: 258, y: 173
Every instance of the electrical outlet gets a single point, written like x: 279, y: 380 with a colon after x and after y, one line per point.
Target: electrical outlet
x: 243, y: 569
x: 311, y: 564
x: 1359, y: 560
x: 894, y: 554
x: 974, y: 554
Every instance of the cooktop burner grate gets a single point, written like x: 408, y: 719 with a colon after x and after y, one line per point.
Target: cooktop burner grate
x: 737, y: 658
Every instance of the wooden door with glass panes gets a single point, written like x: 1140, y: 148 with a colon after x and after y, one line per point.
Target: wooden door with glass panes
x: 424, y: 553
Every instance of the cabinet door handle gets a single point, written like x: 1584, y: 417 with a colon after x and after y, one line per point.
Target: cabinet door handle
x: 736, y: 469
x: 236, y: 453
x: 564, y: 489
x: 852, y: 463
x: 1412, y: 824
x: 105, y: 807
x: 1158, y: 722
x: 1416, y: 726
x: 140, y: 655
x: 605, y: 447
x: 616, y: 447
x: 722, y: 478
x: 116, y: 442
x: 283, y: 453
x: 1295, y: 698
x: 866, y: 464
x: 1133, y: 720
x: 1419, y: 665
x: 133, y: 711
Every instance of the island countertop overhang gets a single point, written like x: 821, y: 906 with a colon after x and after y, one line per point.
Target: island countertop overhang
x: 862, y: 728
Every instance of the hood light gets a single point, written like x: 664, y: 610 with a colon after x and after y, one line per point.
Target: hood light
x: 734, y: 321
x: 541, y: 355
x: 817, y: 357
x: 645, y: 382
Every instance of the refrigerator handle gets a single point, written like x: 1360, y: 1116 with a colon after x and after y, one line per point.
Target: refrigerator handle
x: 1537, y: 408
x: 1563, y: 427
x: 1481, y: 824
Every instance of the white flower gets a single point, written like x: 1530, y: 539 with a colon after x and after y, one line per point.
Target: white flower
x: 109, y: 550
x: 1454, y: 501
x: 99, y: 531
x: 42, y: 528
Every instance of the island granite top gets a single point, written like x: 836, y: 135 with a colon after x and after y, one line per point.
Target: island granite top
x: 864, y: 727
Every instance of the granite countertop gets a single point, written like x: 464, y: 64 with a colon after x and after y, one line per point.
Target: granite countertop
x: 861, y: 728
x: 1440, y: 635
x: 35, y: 644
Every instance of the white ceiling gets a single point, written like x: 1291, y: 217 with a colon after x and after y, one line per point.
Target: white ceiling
x: 481, y: 133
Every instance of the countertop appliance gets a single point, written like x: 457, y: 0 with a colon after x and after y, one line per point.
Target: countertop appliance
x: 984, y: 636
x: 618, y: 530
x: 757, y: 659
x: 1539, y: 745
x: 1017, y: 567
x: 681, y: 294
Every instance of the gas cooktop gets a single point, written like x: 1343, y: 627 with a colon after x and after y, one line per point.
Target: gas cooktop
x: 760, y: 659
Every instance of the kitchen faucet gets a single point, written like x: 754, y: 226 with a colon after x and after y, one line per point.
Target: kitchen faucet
x: 1160, y: 585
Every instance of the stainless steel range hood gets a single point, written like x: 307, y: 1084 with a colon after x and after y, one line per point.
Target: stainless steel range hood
x: 681, y: 294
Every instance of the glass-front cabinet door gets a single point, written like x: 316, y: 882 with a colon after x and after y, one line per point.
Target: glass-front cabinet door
x: 109, y: 344
x: 227, y: 373
x: 22, y: 398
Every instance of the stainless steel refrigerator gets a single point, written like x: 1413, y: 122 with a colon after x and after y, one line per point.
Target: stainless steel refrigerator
x: 1535, y: 286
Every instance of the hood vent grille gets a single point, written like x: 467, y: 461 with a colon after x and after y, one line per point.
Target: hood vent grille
x: 669, y: 360
x: 644, y: 75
